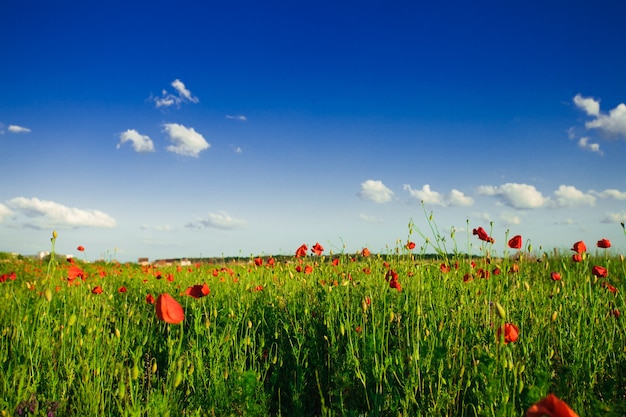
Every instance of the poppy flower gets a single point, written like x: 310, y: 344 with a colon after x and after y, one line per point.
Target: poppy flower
x: 577, y: 257
x: 258, y: 261
x: 510, y: 332
x: 599, y: 271
x: 610, y: 287
x: 150, y: 299
x: 555, y: 276
x: 394, y: 283
x: 444, y: 268
x: 365, y: 252
x: 317, y: 249
x: 97, y: 290
x: 80, y: 248
x: 579, y: 247
x: 550, y: 406
x: 168, y: 310
x: 335, y: 261
x: 482, y: 235
x: 198, y: 291
x: 301, y: 251
x: 122, y: 289
x: 604, y: 243
x: 410, y: 245
x: 515, y: 242
x: 308, y: 269
x: 75, y: 272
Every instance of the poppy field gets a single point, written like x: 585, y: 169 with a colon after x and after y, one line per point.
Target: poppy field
x: 497, y: 329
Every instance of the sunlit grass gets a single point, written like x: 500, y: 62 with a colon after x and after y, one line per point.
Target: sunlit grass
x: 334, y: 339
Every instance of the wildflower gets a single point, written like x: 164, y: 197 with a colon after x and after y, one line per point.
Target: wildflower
x: 577, y: 257
x: 365, y: 252
x: 198, y: 291
x: 97, y: 290
x: 610, y: 287
x: 509, y: 331
x: 395, y: 284
x: 550, y: 406
x: 317, y: 249
x: 599, y: 271
x: 555, y: 276
x: 150, y: 299
x: 444, y: 268
x: 335, y: 261
x: 410, y: 245
x: 604, y: 243
x: 122, y: 289
x: 271, y: 262
x: 258, y: 261
x: 482, y: 235
x: 579, y: 247
x: 514, y: 268
x: 515, y: 242
x: 10, y: 275
x: 308, y: 269
x: 301, y: 251
x: 80, y: 248
x: 75, y: 272
x: 168, y: 310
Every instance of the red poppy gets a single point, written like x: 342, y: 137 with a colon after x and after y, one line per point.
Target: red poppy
x: 604, y: 243
x: 168, y: 310
x: 394, y: 283
x: 577, y: 257
x: 515, y: 242
x: 391, y: 275
x: 482, y: 235
x: 365, y: 252
x: 335, y: 261
x: 122, y: 289
x: 97, y: 290
x: 610, y: 287
x: 80, y: 248
x: 198, y: 291
x: 510, y: 332
x: 271, y: 262
x: 75, y: 272
x: 550, y: 406
x: 410, y: 245
x: 150, y: 299
x: 579, y: 247
x: 301, y: 251
x: 11, y: 275
x: 444, y: 268
x: 599, y: 271
x: 258, y: 261
x: 317, y: 249
x: 308, y: 269
x: 555, y: 276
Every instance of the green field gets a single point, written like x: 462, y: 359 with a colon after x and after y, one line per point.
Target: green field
x: 396, y: 334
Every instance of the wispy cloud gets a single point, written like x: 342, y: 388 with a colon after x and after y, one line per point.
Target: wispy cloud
x: 375, y: 191
x: 141, y: 143
x: 18, y: 129
x: 157, y: 228
x: 221, y: 220
x: 519, y: 196
x: 168, y: 99
x: 4, y: 212
x: 41, y: 214
x: 239, y: 117
x: 369, y: 219
x: 611, y: 124
x: 186, y: 141
x: 570, y: 196
x: 614, y: 217
x: 610, y: 193
x: 430, y: 197
x: 510, y: 219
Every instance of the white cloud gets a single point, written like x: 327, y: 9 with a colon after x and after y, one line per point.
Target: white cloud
x: 168, y: 99
x: 611, y: 124
x: 614, y: 217
x: 375, y: 191
x: 510, y: 219
x: 583, y: 143
x: 4, y: 212
x: 588, y: 105
x: 221, y: 220
x: 428, y: 196
x: 186, y: 141
x: 519, y: 196
x: 43, y: 214
x: 141, y: 143
x: 239, y: 117
x: 158, y: 228
x: 610, y: 193
x: 18, y: 129
x: 236, y: 149
x: 569, y: 196
x: 369, y: 219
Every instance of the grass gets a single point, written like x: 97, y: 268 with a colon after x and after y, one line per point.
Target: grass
x: 269, y: 340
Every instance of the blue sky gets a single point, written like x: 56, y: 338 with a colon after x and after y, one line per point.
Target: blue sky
x: 247, y: 128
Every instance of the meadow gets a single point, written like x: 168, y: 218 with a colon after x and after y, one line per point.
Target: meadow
x: 424, y: 330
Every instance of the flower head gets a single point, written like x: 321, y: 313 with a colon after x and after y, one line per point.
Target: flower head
x: 365, y: 252
x: 317, y: 249
x: 555, y: 276
x: 198, y: 291
x: 579, y: 247
x: 510, y: 332
x: 482, y: 235
x: 604, y: 243
x: 599, y: 271
x: 168, y: 310
x: 301, y: 251
x: 515, y: 242
x: 410, y: 245
x: 80, y: 248
x: 550, y: 406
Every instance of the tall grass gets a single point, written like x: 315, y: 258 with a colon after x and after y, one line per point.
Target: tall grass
x: 269, y: 340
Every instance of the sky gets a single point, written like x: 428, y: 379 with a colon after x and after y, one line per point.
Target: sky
x: 247, y: 128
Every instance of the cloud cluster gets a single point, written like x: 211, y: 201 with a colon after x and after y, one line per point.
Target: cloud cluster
x: 520, y: 196
x: 376, y: 191
x: 610, y: 125
x: 186, y: 141
x: 221, y: 220
x: 430, y: 197
x: 141, y: 143
x: 183, y: 95
x: 42, y: 214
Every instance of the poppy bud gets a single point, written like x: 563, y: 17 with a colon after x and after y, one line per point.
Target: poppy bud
x: 54, y: 234
x: 501, y: 311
